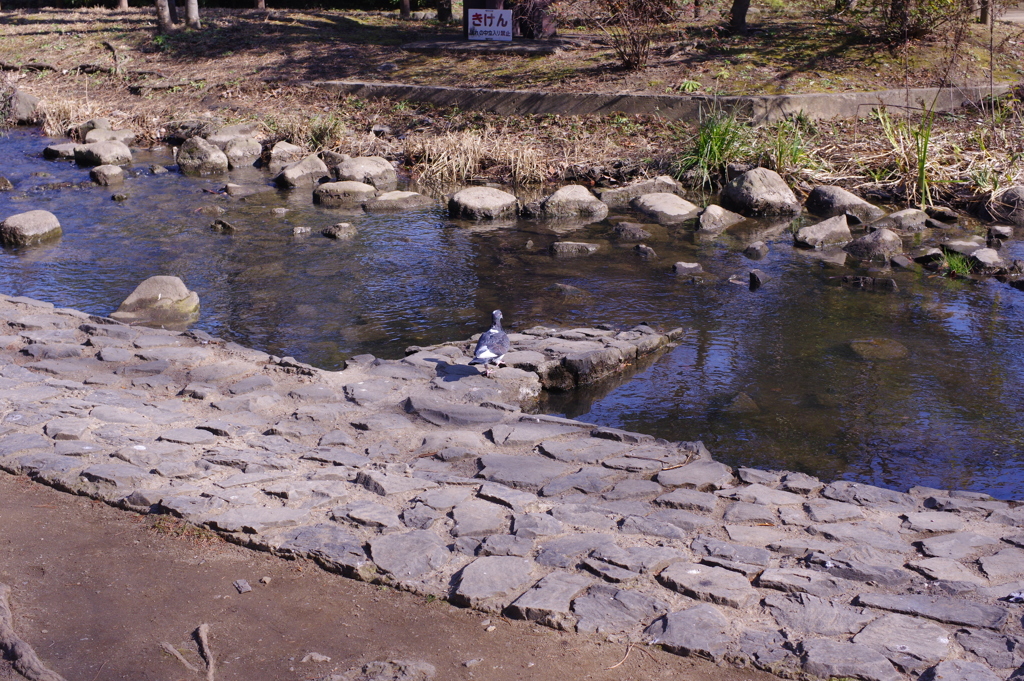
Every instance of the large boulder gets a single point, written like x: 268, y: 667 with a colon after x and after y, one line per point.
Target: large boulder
x: 665, y: 208
x: 242, y: 152
x: 32, y: 227
x: 831, y: 232
x: 107, y: 176
x: 881, y: 244
x: 573, y: 201
x: 101, y: 135
x: 178, y: 132
x: 92, y: 124
x: 760, y: 192
x: 109, y: 153
x: 22, y: 107
x: 284, y: 154
x: 906, y: 221
x: 342, y: 194
x: 198, y: 157
x: 62, y: 150
x: 1008, y: 206
x: 160, y: 301
x: 369, y: 170
x: 715, y: 220
x: 483, y: 203
x: 829, y: 202
x: 223, y: 136
x: 621, y: 196
x: 306, y: 173
x: 395, y: 201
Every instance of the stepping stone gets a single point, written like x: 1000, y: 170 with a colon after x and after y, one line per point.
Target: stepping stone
x: 372, y: 515
x: 535, y: 525
x: 565, y: 552
x: 699, y: 631
x: 958, y: 545
x: 946, y: 569
x: 732, y: 552
x: 188, y: 436
x: 742, y: 512
x: 939, y: 608
x: 998, y: 651
x: 609, y: 610
x: 476, y: 518
x: 813, y: 615
x: 806, y: 581
x: 829, y: 511
x: 584, y: 451
x: 258, y: 519
x: 932, y: 521
x: 442, y: 413
x: 828, y: 659
x: 962, y: 670
x: 869, y: 496
x: 514, y: 499
x: 411, y: 555
x: 386, y: 484
x: 505, y: 545
x: 1005, y: 566
x: 689, y: 500
x: 528, y: 473
x: 609, y: 572
x: 862, y: 533
x: 68, y: 428
x: 491, y: 583
x: 118, y: 475
x: 332, y: 546
x: 549, y: 600
x: 706, y: 583
x: 382, y: 423
x: 910, y: 643
x: 700, y: 475
x: 527, y: 433
x: 765, y: 496
x: 445, y: 498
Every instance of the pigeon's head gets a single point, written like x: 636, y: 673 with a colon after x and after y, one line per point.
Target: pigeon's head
x: 496, y: 316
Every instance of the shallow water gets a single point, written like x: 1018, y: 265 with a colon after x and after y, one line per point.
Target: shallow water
x: 944, y: 416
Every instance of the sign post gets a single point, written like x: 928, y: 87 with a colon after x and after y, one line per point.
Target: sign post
x: 490, y: 24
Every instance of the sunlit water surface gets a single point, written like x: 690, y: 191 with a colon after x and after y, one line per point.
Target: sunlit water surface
x: 948, y: 415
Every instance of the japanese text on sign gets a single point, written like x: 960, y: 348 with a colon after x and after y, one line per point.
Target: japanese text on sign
x: 490, y: 24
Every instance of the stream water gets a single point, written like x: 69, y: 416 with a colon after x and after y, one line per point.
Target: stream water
x: 946, y: 415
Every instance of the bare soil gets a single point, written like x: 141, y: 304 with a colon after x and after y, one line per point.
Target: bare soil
x: 95, y: 590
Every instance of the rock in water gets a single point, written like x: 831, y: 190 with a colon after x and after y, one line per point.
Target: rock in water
x: 879, y: 349
x: 160, y: 301
x: 760, y: 192
x: 32, y: 227
x: 198, y: 157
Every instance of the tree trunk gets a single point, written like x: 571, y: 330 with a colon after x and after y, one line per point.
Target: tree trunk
x: 260, y: 4
x: 404, y: 10
x: 163, y: 16
x: 986, y: 10
x: 444, y: 10
x: 172, y: 7
x: 738, y: 16
x: 192, y: 14
x: 122, y: 5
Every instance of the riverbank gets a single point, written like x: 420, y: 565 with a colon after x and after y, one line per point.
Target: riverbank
x: 230, y: 76
x: 422, y: 475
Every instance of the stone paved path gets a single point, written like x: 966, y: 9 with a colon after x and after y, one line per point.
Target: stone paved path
x: 422, y: 474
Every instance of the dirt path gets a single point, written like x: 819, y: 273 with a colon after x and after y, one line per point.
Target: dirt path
x: 95, y: 590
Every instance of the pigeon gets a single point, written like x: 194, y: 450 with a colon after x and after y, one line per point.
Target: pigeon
x: 492, y: 346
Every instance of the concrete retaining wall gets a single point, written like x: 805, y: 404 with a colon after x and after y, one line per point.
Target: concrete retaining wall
x: 762, y: 109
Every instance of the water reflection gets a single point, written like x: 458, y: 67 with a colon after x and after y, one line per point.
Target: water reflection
x: 945, y: 416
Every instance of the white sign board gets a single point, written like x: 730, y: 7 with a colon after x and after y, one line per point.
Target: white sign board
x: 490, y: 24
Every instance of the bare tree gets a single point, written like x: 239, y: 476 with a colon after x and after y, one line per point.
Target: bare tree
x: 192, y: 14
x: 163, y: 16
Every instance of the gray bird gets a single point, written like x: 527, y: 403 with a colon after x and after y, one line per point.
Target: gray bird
x: 492, y: 346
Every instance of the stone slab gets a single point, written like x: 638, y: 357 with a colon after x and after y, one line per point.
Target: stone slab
x: 707, y: 583
x: 942, y: 609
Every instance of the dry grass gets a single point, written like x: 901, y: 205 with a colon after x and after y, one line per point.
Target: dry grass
x: 459, y: 157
